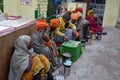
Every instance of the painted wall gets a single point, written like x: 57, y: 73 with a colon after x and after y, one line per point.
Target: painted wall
x: 15, y: 8
x: 119, y: 12
x: 27, y: 11
x: 111, y: 12
x: 10, y: 8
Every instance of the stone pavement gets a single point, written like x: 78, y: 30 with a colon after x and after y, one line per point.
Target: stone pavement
x: 100, y: 60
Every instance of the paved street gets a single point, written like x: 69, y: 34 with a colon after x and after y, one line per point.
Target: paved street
x: 100, y: 60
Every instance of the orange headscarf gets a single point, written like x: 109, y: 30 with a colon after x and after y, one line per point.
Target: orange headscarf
x: 74, y: 16
x: 54, y: 23
x: 41, y: 23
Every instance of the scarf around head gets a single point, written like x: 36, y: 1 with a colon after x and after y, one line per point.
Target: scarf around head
x: 54, y: 23
x: 89, y: 13
x: 79, y: 10
x: 20, y: 58
x: 41, y: 24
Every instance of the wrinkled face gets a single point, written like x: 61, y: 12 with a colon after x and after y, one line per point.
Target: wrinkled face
x: 42, y: 29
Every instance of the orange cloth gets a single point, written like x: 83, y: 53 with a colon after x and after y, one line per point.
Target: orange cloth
x: 49, y: 43
x: 54, y: 23
x: 41, y: 23
x: 36, y: 67
x: 40, y: 64
x: 46, y: 65
x: 74, y: 16
x: 45, y: 62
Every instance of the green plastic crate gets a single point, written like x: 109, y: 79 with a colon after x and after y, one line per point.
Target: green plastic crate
x: 73, y: 47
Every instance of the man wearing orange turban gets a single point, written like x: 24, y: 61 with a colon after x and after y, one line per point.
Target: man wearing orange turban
x: 42, y: 44
x: 74, y: 18
x: 54, y: 23
x: 41, y: 24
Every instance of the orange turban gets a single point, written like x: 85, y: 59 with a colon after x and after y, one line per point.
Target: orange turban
x: 41, y: 23
x: 54, y: 23
x: 74, y: 16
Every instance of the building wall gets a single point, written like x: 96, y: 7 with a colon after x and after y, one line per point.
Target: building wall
x: 11, y: 8
x: 111, y: 12
x: 26, y: 11
x: 119, y: 12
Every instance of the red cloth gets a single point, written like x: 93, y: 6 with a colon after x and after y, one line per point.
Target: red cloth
x: 93, y: 25
x: 79, y: 10
x: 49, y: 43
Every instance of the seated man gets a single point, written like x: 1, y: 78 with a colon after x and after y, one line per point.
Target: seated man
x: 66, y: 30
x: 74, y: 19
x: 82, y: 24
x: 25, y: 64
x: 42, y: 44
x: 54, y: 23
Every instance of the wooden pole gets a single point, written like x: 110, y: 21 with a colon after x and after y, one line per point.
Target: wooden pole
x: 39, y: 10
x: 76, y: 5
x: 88, y: 4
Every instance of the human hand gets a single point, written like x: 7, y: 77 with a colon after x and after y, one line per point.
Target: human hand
x: 29, y: 66
x: 74, y: 32
x: 95, y: 16
x: 49, y: 43
x: 66, y: 38
x: 45, y: 37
